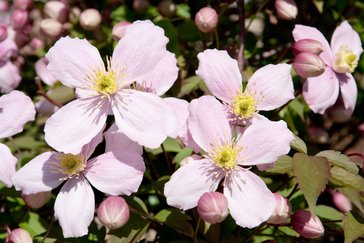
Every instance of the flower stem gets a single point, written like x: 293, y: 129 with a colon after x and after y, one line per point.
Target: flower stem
x: 241, y: 9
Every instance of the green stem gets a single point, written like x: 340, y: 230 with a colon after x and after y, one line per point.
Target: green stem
x: 196, y: 230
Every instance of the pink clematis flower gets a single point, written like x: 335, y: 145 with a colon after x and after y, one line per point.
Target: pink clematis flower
x: 75, y: 204
x: 341, y: 58
x: 141, y: 116
x: 9, y: 76
x: 250, y: 202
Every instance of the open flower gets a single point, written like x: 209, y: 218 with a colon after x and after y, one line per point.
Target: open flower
x: 142, y: 116
x: 112, y: 173
x: 250, y: 202
x: 341, y: 58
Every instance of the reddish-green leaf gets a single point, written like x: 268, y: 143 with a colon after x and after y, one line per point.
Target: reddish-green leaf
x: 340, y: 160
x: 353, y: 229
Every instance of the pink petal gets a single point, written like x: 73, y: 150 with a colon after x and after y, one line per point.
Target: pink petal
x: 207, y: 123
x: 345, y: 35
x: 116, y: 175
x: 89, y: 148
x: 38, y: 175
x: 43, y: 73
x: 7, y: 165
x: 264, y: 141
x: 272, y: 85
x: 190, y: 181
x: 76, y: 124
x: 143, y: 117
x: 349, y: 90
x: 321, y: 92
x: 220, y: 73
x: 16, y: 109
x: 9, y: 77
x: 250, y: 201
x: 74, y: 207
x: 72, y: 60
x: 181, y: 110
x: 7, y: 49
x: 305, y: 32
x: 138, y: 52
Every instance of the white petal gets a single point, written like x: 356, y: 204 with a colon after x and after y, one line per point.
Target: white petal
x: 7, y: 165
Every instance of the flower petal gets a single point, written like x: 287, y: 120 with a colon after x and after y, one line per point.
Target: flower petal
x: 116, y: 175
x: 250, y: 201
x: 321, y: 92
x: 190, y: 181
x: 7, y: 49
x: 9, y: 77
x: 143, y: 117
x: 138, y: 52
x: 264, y: 141
x: 7, y: 165
x: 16, y: 109
x: 76, y: 124
x: 89, y: 148
x: 73, y: 60
x: 74, y: 207
x: 220, y: 73
x: 207, y: 123
x: 349, y: 90
x: 43, y: 73
x: 181, y: 110
x: 38, y: 175
x: 272, y: 85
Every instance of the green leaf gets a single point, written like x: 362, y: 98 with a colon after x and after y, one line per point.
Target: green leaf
x: 298, y: 108
x: 175, y: 219
x: 137, y: 204
x: 188, y: 31
x: 182, y: 154
x: 328, y: 213
x: 33, y: 224
x: 299, y: 145
x: 282, y: 165
x: 289, y: 231
x: 183, y: 10
x: 170, y: 145
x: 188, y: 85
x: 339, y: 159
x: 347, y: 178
x: 312, y: 174
x: 354, y: 196
x: 172, y: 34
x: 352, y: 228
x: 28, y: 142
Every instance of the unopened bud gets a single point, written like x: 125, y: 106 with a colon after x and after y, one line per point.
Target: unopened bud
x: 90, y: 19
x: 36, y: 200
x: 75, y: 14
x: 140, y: 6
x: 308, y: 65
x: 4, y: 5
x: 19, y: 236
x: 19, y: 18
x: 306, y: 224
x: 3, y: 32
x: 113, y: 212
x: 22, y: 4
x: 118, y: 30
x: 37, y: 43
x: 51, y: 28
x: 318, y: 135
x: 286, y: 9
x: 340, y: 201
x: 281, y: 213
x: 167, y: 8
x: 213, y: 207
x: 21, y: 39
x: 307, y: 45
x: 206, y: 19
x: 56, y: 10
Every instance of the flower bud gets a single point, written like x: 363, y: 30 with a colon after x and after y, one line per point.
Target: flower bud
x: 22, y: 4
x: 306, y: 224
x: 56, y: 10
x: 36, y: 200
x: 286, y: 9
x: 281, y: 212
x: 19, y: 236
x: 167, y: 8
x: 307, y: 45
x: 308, y: 65
x: 213, y: 207
x: 37, y: 43
x: 340, y: 201
x: 118, y: 30
x: 113, y: 212
x: 90, y: 19
x: 206, y: 19
x: 51, y: 28
x: 19, y: 18
x: 3, y: 32
x: 140, y: 6
x: 4, y: 5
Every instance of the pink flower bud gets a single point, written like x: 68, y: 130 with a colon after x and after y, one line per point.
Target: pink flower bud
x: 281, y: 213
x: 56, y: 10
x: 307, y: 65
x: 37, y: 43
x: 90, y: 19
x: 3, y: 32
x: 340, y: 201
x: 19, y: 236
x: 167, y: 8
x: 19, y: 18
x: 206, y: 19
x: 4, y: 5
x: 21, y: 39
x: 286, y: 9
x: 213, y: 207
x: 119, y: 29
x: 113, y: 212
x: 51, y: 28
x: 140, y: 6
x: 36, y: 200
x: 22, y: 4
x: 307, y: 224
x: 307, y: 45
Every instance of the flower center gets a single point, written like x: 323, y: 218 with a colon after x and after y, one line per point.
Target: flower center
x: 225, y: 157
x: 105, y: 83
x: 70, y: 164
x: 345, y: 60
x: 244, y: 106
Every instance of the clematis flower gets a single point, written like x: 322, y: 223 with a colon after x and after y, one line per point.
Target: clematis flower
x: 112, y: 173
x: 341, y: 59
x: 9, y: 76
x: 227, y: 158
x: 141, y: 116
x: 269, y: 88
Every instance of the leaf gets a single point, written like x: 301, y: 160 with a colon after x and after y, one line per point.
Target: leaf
x: 182, y: 154
x: 172, y: 34
x: 339, y: 159
x: 33, y: 224
x: 354, y: 196
x: 352, y: 228
x: 328, y: 213
x: 137, y: 204
x: 188, y: 31
x: 299, y: 145
x: 183, y: 10
x: 188, y: 85
x: 282, y: 165
x: 175, y: 219
x: 289, y: 231
x: 347, y: 178
x: 27, y: 142
x: 170, y: 145
x: 312, y: 174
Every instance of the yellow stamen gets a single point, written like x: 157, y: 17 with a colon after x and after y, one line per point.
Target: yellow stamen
x: 105, y: 82
x: 225, y: 157
x: 345, y: 60
x: 70, y: 164
x: 244, y: 105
